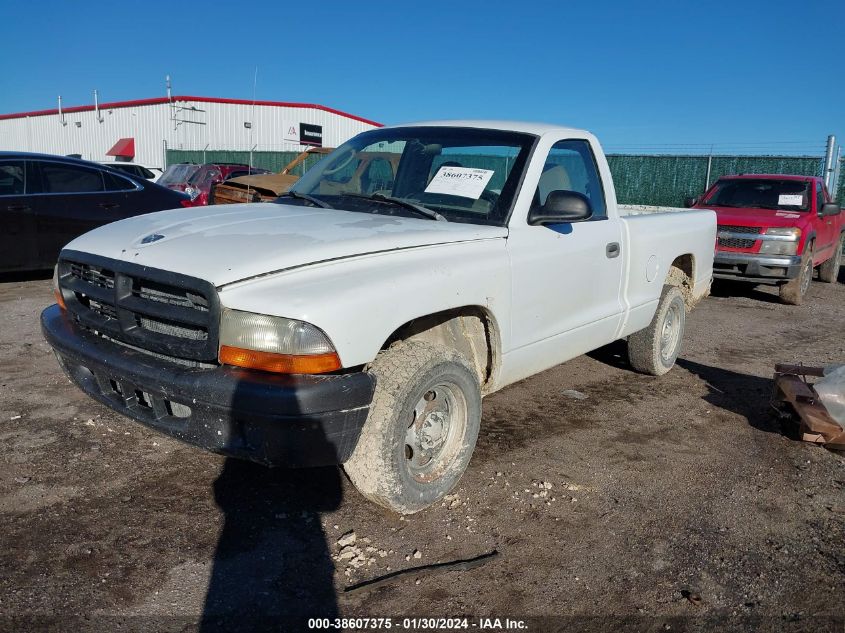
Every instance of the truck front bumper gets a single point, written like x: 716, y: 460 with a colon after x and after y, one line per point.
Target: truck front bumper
x: 755, y: 267
x: 272, y: 419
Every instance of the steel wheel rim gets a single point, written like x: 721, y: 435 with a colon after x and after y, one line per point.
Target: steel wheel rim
x: 435, y: 433
x: 806, y: 276
x: 670, y: 332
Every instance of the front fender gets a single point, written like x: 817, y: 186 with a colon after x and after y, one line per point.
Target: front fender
x: 359, y: 302
x: 808, y: 235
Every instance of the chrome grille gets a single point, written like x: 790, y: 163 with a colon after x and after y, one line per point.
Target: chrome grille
x: 149, y: 309
x: 732, y: 235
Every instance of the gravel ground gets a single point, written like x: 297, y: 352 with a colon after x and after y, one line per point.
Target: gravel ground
x: 649, y: 504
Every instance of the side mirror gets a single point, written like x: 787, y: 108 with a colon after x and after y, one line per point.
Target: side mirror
x: 562, y: 206
x: 829, y: 208
x: 690, y: 201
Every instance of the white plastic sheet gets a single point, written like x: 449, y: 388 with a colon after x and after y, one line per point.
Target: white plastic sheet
x: 831, y: 390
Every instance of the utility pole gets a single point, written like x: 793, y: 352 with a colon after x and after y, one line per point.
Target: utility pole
x: 827, y: 176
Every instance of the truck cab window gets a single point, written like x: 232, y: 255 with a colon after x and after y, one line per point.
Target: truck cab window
x: 377, y: 177
x: 344, y: 172
x: 571, y: 166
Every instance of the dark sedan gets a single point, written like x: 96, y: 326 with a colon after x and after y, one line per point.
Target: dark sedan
x: 46, y: 201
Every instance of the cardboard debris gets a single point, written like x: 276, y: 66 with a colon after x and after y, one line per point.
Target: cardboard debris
x: 793, y: 390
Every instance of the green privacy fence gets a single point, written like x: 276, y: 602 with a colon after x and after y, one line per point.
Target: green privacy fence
x: 639, y: 179
x: 274, y: 161
x: 667, y: 180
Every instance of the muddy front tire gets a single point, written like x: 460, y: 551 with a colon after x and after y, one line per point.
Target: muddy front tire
x: 654, y: 349
x: 421, y: 429
x: 793, y: 291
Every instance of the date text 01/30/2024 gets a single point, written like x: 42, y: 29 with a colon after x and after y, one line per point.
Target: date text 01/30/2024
x: 417, y: 624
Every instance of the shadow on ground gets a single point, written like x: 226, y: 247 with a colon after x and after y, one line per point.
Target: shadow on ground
x: 272, y: 567
x: 614, y: 354
x: 743, y: 394
x: 729, y: 288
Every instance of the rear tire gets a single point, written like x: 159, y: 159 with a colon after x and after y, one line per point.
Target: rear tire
x: 655, y: 349
x: 421, y: 429
x: 829, y: 271
x: 793, y: 291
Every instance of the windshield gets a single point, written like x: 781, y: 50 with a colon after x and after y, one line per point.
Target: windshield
x: 762, y: 193
x: 179, y: 173
x: 464, y: 174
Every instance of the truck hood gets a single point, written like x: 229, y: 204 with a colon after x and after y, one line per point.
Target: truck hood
x: 759, y: 217
x: 228, y: 243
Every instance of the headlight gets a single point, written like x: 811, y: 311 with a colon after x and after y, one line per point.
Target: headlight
x: 276, y: 344
x: 785, y: 242
x: 786, y: 231
x: 192, y: 192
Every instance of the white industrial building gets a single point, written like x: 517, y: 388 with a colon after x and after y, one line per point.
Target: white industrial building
x: 143, y: 130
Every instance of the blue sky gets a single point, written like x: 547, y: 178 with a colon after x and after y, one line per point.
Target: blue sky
x: 751, y: 74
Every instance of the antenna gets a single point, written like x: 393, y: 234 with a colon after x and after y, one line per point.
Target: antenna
x: 167, y: 86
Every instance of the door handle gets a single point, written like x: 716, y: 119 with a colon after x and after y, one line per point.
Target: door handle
x: 109, y: 205
x: 612, y: 250
x: 19, y: 207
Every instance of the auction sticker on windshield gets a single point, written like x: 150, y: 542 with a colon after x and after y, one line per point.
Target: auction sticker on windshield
x: 791, y: 199
x: 467, y: 182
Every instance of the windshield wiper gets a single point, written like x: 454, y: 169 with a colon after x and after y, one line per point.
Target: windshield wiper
x: 775, y: 207
x: 304, y: 196
x: 379, y: 197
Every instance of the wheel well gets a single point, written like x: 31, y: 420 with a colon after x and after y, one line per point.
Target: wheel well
x: 686, y: 264
x: 682, y: 274
x: 471, y: 330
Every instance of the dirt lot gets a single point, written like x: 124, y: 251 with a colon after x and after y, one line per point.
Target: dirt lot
x: 677, y: 502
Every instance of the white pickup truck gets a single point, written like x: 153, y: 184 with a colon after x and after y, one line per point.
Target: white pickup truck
x: 360, y: 319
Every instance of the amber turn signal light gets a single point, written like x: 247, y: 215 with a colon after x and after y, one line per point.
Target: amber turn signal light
x: 59, y: 298
x: 279, y: 363
x: 57, y: 292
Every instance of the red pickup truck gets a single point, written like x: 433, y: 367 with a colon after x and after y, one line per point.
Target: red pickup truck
x: 775, y: 229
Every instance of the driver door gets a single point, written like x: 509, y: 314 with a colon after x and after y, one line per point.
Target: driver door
x: 566, y: 277
x: 827, y: 233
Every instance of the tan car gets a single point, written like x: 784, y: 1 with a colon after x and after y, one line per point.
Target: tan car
x: 261, y: 187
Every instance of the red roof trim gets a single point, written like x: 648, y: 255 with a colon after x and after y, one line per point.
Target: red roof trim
x: 159, y: 100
